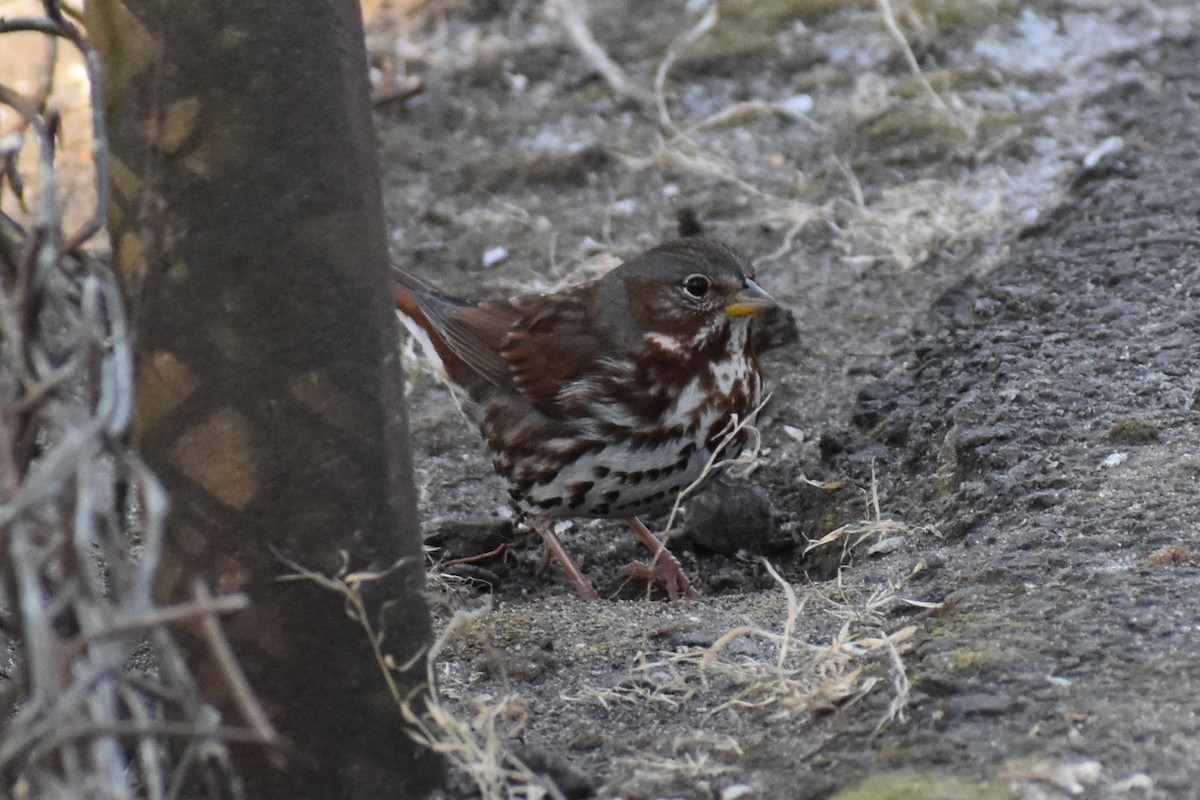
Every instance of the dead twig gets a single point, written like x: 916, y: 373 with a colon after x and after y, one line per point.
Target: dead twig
x: 733, y: 429
x: 220, y: 648
x: 574, y: 19
x: 893, y: 28
x: 82, y: 518
x: 683, y: 42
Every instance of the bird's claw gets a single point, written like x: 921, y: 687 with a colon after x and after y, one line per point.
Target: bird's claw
x: 665, y: 571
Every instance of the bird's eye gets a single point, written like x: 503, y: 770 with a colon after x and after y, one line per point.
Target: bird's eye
x: 696, y: 285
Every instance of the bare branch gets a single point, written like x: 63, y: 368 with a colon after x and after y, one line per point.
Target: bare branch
x: 574, y: 19
x: 219, y: 645
x: 81, y: 517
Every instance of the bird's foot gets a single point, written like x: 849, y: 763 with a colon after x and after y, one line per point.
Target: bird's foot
x: 666, y: 571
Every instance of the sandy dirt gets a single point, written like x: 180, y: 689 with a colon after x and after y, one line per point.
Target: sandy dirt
x: 979, y: 467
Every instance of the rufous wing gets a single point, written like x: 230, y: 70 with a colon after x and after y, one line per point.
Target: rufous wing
x: 534, y: 345
x: 552, y: 347
x: 466, y: 335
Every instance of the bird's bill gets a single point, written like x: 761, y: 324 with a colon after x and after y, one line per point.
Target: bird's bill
x: 750, y: 301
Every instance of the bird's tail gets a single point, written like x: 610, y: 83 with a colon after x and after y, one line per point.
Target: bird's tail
x: 410, y: 291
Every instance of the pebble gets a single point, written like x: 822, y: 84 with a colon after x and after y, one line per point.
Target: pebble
x: 494, y: 255
x: 1114, y: 460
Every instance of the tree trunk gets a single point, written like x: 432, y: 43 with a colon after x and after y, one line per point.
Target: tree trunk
x: 248, y: 229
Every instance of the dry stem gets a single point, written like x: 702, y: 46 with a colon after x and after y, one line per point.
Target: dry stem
x: 574, y: 19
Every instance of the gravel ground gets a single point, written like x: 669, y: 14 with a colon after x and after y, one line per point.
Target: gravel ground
x: 984, y: 403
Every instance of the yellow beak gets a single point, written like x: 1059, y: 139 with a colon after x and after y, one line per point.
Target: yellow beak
x: 750, y: 301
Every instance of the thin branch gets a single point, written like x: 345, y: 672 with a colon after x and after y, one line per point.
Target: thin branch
x: 219, y: 646
x: 156, y: 617
x: 733, y: 429
x: 161, y: 730
x: 893, y: 27
x: 574, y: 19
x: 702, y: 26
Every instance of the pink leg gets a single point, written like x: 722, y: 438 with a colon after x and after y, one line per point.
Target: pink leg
x: 665, y: 567
x: 545, y: 527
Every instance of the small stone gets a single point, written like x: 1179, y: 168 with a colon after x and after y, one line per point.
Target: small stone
x: 1114, y: 460
x: 469, y: 538
x: 941, y: 684
x: 886, y: 546
x: 588, y: 740
x: 798, y: 104
x: 566, y: 777
x: 494, y: 255
x: 775, y: 327
x: 1138, y: 782
x: 590, y: 247
x: 625, y: 208
x: 727, y: 518
x: 736, y: 791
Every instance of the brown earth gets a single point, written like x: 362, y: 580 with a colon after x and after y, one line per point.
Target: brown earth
x: 990, y: 411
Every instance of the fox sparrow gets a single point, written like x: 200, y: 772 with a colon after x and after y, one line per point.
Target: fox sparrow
x: 606, y: 399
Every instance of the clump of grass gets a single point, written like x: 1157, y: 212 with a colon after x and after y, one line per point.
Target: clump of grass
x: 477, y: 747
x: 692, y: 759
x: 1170, y: 556
x: 805, y: 677
x: 874, y: 530
x: 767, y: 672
x: 785, y: 677
x: 914, y: 222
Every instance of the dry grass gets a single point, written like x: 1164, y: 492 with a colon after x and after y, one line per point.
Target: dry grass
x: 805, y: 677
x: 97, y: 697
x: 882, y: 533
x: 1170, y: 556
x: 763, y: 672
x: 888, y: 15
x: 912, y: 222
x: 785, y: 678
x: 697, y: 757
x: 477, y: 747
x: 904, y: 226
x: 574, y: 19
